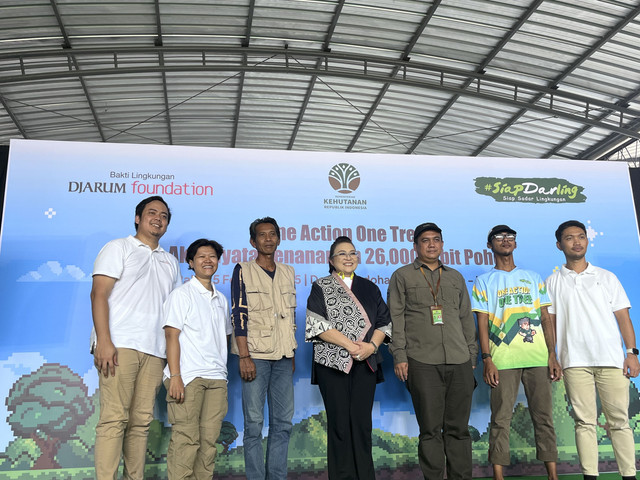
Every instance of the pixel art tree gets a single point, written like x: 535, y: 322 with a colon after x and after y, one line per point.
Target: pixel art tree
x: 47, y: 406
x: 228, y: 435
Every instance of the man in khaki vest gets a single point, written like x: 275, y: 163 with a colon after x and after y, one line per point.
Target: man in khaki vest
x: 263, y: 312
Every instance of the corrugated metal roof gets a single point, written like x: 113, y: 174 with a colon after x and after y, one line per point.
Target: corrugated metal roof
x: 536, y: 79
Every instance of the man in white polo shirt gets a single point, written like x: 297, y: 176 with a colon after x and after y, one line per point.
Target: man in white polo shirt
x: 591, y: 312
x: 197, y: 327
x: 132, y: 277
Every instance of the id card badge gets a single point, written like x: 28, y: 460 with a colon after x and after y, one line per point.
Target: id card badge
x: 436, y: 315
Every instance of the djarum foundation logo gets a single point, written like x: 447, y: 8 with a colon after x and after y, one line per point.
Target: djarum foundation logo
x: 344, y: 178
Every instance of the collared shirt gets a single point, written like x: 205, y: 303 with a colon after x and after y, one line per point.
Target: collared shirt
x: 586, y: 329
x: 204, y: 323
x: 144, y: 279
x: 414, y: 334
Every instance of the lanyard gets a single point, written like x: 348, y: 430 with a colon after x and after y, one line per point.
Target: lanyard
x: 435, y: 294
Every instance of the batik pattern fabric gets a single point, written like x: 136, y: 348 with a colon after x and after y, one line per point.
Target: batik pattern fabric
x: 332, y: 305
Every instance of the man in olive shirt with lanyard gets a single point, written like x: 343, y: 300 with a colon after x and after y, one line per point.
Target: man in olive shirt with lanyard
x: 434, y: 350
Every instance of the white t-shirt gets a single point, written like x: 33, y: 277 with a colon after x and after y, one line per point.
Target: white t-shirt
x: 204, y: 323
x: 144, y: 279
x: 587, y: 330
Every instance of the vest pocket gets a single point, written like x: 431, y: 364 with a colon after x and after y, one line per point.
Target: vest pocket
x: 260, y: 339
x: 257, y: 300
x: 289, y: 298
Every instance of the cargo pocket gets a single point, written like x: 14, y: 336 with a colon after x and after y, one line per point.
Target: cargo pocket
x: 289, y: 303
x: 257, y: 300
x: 260, y: 339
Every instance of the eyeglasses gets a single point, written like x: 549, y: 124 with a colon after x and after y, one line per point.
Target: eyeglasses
x: 344, y: 255
x: 510, y: 237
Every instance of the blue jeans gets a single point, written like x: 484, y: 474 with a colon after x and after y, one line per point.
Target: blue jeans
x: 273, y: 382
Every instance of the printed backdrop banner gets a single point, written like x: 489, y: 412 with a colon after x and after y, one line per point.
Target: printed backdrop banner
x: 64, y: 201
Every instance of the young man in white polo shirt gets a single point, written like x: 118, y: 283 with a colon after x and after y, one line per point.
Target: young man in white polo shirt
x: 591, y: 312
x: 132, y: 277
x: 197, y: 327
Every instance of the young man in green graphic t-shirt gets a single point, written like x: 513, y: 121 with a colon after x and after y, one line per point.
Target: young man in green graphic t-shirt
x: 517, y: 343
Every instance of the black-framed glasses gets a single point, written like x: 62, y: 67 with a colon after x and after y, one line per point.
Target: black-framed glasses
x: 510, y: 237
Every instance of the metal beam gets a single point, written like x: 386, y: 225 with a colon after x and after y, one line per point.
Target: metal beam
x: 158, y: 23
x: 385, y: 88
x: 612, y: 144
x: 303, y: 110
x: 555, y: 83
x: 329, y: 59
x: 312, y: 81
x: 418, y: 75
x: 13, y: 117
x: 236, y: 116
x: 245, y: 44
x: 603, y: 146
x: 249, y: 26
x: 415, y: 74
x: 67, y: 46
x: 165, y: 94
x: 419, y: 83
x: 495, y: 51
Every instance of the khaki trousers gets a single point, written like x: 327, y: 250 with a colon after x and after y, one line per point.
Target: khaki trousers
x: 537, y: 388
x: 612, y: 386
x: 195, y: 428
x: 126, y: 411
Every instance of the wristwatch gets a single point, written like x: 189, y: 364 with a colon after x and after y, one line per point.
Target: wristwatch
x: 632, y: 351
x: 486, y: 355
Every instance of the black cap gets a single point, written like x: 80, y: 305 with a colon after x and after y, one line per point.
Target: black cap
x: 425, y: 227
x: 499, y: 229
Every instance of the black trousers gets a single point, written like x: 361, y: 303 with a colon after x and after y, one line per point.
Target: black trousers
x: 441, y: 396
x: 348, y: 401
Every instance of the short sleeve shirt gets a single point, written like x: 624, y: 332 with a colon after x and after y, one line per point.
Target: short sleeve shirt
x: 204, y: 323
x: 513, y: 302
x: 144, y: 279
x: 586, y: 328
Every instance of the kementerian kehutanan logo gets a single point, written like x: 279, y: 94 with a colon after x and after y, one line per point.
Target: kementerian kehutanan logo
x: 344, y: 178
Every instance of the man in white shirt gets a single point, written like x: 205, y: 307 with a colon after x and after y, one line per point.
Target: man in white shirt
x: 591, y: 312
x: 197, y: 327
x: 132, y: 277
